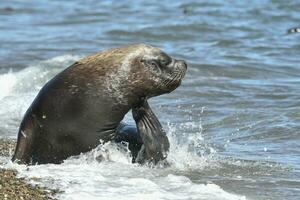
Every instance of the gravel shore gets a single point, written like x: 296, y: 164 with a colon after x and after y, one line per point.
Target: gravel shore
x: 13, y: 188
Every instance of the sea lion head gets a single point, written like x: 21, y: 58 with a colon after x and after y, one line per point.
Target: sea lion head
x: 153, y: 72
x: 132, y: 72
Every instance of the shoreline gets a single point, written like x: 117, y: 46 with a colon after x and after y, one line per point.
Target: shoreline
x: 14, y: 188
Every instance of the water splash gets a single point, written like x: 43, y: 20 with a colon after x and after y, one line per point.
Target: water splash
x: 113, y: 176
x: 107, y: 173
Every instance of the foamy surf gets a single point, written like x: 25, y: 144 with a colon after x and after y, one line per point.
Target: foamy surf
x: 115, y: 177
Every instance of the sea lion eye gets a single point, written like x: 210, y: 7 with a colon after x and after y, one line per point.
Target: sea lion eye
x: 164, y: 62
x: 154, y: 66
x: 153, y: 63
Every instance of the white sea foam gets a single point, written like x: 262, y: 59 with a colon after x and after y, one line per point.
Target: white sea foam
x: 115, y: 177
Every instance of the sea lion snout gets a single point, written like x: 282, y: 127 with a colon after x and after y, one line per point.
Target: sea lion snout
x: 181, y: 64
x: 173, y: 74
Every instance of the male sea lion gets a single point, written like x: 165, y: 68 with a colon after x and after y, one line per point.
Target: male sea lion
x: 87, y: 101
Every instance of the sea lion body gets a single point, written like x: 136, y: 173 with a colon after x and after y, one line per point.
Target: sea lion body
x: 85, y: 103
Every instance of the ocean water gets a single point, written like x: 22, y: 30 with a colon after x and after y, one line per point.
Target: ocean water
x: 234, y: 124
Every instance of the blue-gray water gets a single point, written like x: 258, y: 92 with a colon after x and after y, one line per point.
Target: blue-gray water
x: 238, y: 109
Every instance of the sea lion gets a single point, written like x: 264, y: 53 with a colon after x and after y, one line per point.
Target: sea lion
x: 85, y: 104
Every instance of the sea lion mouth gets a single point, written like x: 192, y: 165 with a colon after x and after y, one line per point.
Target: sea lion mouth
x: 174, y: 78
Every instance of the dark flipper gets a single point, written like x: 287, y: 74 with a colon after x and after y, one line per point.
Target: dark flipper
x: 155, y: 142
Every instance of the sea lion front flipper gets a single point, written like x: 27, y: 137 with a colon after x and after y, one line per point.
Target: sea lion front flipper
x: 156, y: 144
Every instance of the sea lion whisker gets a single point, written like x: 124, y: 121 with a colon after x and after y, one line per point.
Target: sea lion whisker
x: 169, y: 81
x: 164, y: 82
x: 175, y: 78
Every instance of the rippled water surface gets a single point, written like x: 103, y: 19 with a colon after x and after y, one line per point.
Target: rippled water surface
x: 233, y: 124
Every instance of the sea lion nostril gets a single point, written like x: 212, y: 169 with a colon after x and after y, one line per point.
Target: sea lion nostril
x: 181, y: 64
